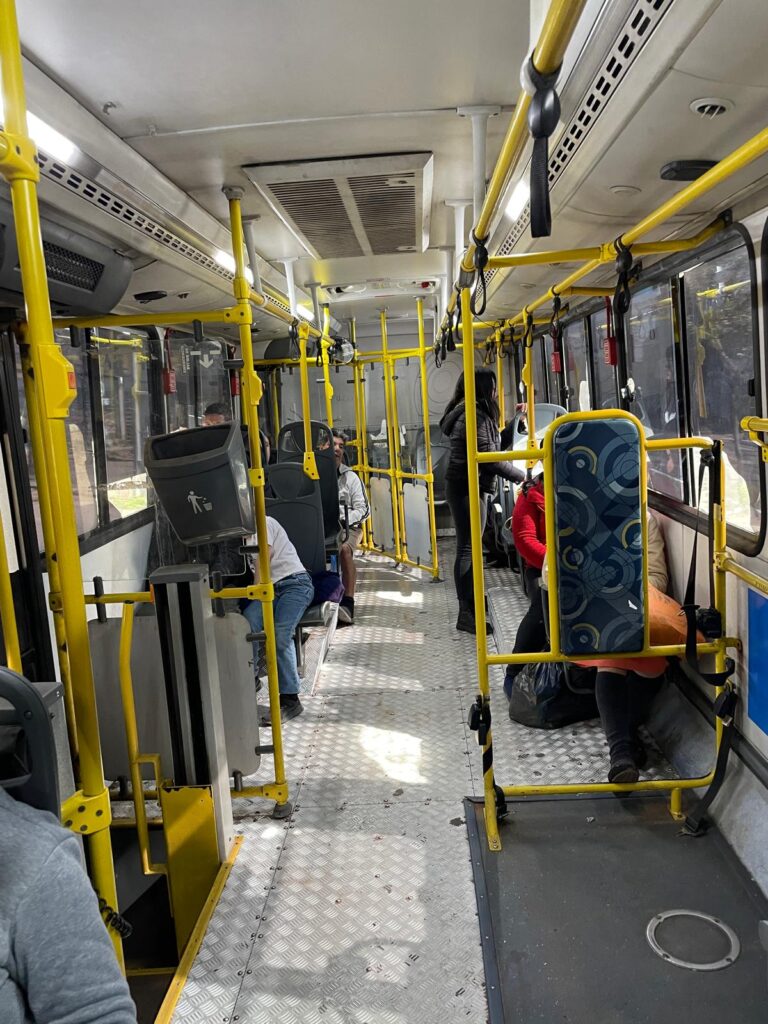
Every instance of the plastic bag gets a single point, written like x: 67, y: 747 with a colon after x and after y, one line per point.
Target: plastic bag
x: 547, y: 696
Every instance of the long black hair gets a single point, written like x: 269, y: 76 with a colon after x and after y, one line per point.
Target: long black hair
x: 485, y: 390
x: 485, y: 393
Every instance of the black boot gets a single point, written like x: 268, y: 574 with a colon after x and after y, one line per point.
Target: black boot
x: 466, y: 620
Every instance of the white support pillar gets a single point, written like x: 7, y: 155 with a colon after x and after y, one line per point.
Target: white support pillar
x: 459, y: 237
x: 479, y: 117
x: 250, y: 248
x: 288, y: 264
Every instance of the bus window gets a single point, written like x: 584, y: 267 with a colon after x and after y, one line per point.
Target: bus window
x: 721, y: 364
x: 605, y: 375
x: 651, y: 365
x: 79, y: 425
x: 539, y: 381
x: 575, y: 359
x: 124, y: 370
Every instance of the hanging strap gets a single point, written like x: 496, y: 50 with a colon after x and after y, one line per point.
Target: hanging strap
x: 481, y: 262
x: 707, y: 620
x: 696, y: 823
x: 543, y: 117
x: 622, y: 301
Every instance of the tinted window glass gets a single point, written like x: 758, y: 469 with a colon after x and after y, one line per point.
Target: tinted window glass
x: 719, y: 331
x: 605, y: 375
x: 575, y: 346
x: 651, y: 365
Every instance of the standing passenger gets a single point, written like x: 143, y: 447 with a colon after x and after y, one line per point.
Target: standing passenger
x: 293, y: 595
x: 530, y: 536
x: 453, y: 425
x: 353, y: 503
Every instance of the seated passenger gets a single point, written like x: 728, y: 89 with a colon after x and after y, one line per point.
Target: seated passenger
x: 625, y: 688
x: 57, y: 962
x: 353, y: 503
x: 293, y: 595
x: 530, y: 537
x: 215, y: 414
x: 453, y: 425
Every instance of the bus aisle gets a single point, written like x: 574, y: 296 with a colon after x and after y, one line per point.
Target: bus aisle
x: 361, y: 907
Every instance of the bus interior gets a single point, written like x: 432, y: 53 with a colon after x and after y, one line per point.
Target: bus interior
x: 236, y: 239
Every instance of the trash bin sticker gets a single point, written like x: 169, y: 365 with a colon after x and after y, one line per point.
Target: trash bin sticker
x: 199, y: 503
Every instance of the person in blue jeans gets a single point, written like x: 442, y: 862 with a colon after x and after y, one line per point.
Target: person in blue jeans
x: 294, y: 593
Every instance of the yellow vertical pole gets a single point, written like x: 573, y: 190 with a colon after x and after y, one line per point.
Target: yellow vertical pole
x: 473, y: 476
x: 325, y: 344
x: 720, y: 545
x: 391, y: 441
x: 530, y: 395
x: 500, y: 383
x: 252, y: 391
x: 55, y: 391
x: 310, y: 465
x: 398, y: 467
x: 363, y: 437
x: 7, y: 610
x: 427, y: 438
x: 49, y: 542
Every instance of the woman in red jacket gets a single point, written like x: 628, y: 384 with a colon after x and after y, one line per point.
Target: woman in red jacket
x: 529, y: 533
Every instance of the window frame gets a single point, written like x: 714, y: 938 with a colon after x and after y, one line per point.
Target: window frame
x: 740, y: 540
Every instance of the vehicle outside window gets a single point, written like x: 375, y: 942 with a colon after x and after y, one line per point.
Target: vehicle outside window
x: 721, y: 369
x: 124, y: 361
x: 575, y: 359
x: 605, y: 375
x: 652, y: 367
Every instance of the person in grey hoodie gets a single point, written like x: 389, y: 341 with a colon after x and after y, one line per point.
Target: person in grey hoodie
x: 454, y: 426
x: 57, y: 963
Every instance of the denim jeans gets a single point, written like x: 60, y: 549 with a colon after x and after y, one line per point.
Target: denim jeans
x: 293, y: 595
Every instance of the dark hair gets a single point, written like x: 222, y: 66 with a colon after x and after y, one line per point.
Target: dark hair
x: 458, y: 395
x: 217, y: 409
x: 485, y: 386
x: 340, y: 435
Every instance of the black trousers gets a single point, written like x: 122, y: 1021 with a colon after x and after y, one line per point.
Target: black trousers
x: 458, y: 502
x: 624, y: 702
x: 532, y: 631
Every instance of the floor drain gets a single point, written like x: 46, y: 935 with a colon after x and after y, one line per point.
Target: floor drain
x: 690, y: 939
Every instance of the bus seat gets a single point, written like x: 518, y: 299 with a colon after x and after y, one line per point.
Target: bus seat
x: 295, y: 503
x: 600, y: 557
x: 28, y: 762
x: 290, y: 448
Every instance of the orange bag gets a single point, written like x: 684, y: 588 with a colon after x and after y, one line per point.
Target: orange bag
x: 668, y: 624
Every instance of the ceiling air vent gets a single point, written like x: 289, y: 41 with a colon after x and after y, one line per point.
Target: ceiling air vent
x: 710, y: 107
x: 638, y: 27
x: 361, y: 206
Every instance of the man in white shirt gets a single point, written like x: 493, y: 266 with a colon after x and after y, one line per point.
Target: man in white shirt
x: 294, y: 593
x: 353, y: 502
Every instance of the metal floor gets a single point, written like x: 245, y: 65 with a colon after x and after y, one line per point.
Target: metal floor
x: 361, y: 909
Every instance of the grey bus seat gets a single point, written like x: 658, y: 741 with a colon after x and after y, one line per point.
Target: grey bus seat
x: 294, y: 501
x: 28, y: 763
x: 290, y: 448
x: 295, y: 504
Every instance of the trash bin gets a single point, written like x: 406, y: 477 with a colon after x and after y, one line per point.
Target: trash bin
x: 201, y: 480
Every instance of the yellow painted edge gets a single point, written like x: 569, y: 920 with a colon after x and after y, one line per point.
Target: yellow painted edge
x: 176, y: 987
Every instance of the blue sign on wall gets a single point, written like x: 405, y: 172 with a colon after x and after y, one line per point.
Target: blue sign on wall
x: 757, y: 664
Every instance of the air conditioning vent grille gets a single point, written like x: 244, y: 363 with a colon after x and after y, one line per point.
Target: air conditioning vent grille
x: 355, y: 206
x: 633, y: 35
x: 388, y: 211
x: 123, y: 211
x: 317, y: 207
x: 71, y: 268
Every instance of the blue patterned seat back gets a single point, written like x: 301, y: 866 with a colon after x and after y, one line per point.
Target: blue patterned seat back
x: 599, y: 536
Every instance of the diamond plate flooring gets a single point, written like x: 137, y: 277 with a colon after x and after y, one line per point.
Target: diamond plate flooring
x: 359, y: 909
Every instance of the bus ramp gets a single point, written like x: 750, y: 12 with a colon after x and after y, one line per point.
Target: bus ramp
x: 565, y: 910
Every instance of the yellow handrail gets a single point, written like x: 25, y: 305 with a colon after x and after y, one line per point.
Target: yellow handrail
x: 135, y: 758
x: 7, y: 608
x: 429, y: 475
x: 54, y: 391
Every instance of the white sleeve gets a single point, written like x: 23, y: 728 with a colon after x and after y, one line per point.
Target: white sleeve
x: 359, y: 510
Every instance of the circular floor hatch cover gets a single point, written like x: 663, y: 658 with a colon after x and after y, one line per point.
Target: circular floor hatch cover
x: 690, y: 939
